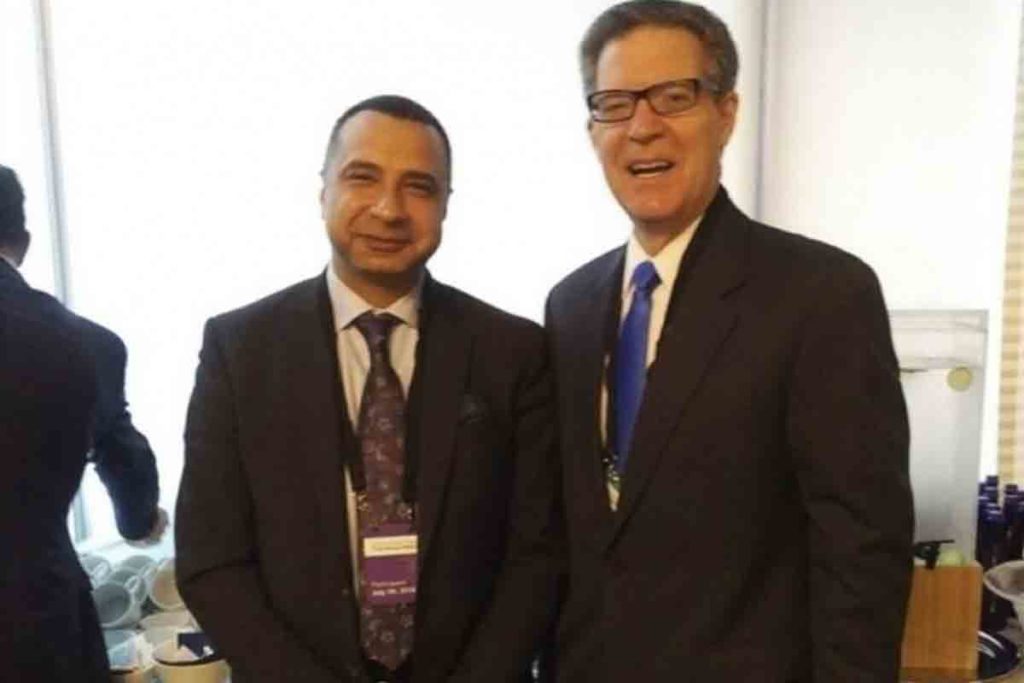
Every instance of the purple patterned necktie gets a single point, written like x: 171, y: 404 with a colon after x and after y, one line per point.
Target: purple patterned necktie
x: 387, y: 630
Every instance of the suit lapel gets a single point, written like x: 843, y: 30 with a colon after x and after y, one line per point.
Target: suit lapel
x: 308, y: 337
x: 595, y: 322
x: 700, y: 318
x: 442, y: 368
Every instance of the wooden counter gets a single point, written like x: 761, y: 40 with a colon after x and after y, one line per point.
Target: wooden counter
x: 938, y: 676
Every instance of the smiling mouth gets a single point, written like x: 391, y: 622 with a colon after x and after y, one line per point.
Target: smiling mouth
x: 384, y: 244
x: 649, y: 169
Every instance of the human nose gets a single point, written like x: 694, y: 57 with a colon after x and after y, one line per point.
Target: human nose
x: 389, y: 207
x: 645, y: 124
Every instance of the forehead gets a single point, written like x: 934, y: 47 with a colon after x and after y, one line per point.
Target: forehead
x: 391, y: 143
x: 648, y: 55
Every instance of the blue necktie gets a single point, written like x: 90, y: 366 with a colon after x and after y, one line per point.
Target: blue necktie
x: 631, y: 361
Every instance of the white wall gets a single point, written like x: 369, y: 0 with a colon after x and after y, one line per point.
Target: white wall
x: 888, y: 132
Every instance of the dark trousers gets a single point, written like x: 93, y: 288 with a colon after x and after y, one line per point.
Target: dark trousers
x: 59, y: 641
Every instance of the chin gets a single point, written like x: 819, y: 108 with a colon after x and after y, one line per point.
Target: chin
x: 387, y: 267
x: 651, y: 215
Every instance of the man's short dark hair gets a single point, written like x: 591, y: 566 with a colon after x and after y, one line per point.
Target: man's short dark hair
x: 398, y: 107
x: 618, y: 20
x: 12, y: 209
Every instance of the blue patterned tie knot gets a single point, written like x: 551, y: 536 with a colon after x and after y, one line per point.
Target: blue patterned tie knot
x: 645, y: 277
x: 376, y: 328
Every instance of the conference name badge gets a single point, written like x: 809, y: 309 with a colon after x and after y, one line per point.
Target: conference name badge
x: 389, y: 555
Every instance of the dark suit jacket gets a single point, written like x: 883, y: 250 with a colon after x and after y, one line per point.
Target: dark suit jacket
x: 122, y: 456
x: 262, y: 537
x: 48, y: 393
x: 764, y: 528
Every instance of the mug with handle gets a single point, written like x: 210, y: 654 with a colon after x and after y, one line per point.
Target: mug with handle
x: 96, y: 568
x: 137, y: 563
x: 116, y: 604
x: 131, y: 580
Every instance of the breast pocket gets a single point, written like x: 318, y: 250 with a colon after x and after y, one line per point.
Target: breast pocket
x: 472, y: 408
x: 479, y: 436
x: 483, y: 456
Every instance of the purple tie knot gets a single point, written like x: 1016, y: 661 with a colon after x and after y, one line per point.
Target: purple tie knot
x: 376, y: 328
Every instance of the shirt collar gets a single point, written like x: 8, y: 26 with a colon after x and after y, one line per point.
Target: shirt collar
x: 347, y: 305
x: 666, y: 262
x: 9, y: 260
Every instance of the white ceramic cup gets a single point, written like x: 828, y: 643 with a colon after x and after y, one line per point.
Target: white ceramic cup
x: 179, y: 618
x: 163, y: 589
x: 158, y: 635
x: 113, y: 638
x: 159, y: 627
x: 137, y: 563
x: 116, y: 604
x: 124, y: 655
x: 125, y: 664
x: 124, y: 576
x: 96, y: 568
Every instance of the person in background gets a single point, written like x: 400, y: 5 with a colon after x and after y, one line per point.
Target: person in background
x: 61, y: 404
x: 733, y: 431
x: 370, y: 484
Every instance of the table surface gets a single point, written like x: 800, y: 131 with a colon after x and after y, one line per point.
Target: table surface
x: 939, y: 676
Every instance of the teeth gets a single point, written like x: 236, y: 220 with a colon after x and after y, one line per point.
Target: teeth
x: 649, y: 167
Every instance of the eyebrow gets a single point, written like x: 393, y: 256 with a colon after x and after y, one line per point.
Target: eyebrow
x: 420, y: 175
x: 423, y: 176
x: 359, y: 166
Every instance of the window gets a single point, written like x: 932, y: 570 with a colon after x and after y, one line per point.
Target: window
x: 191, y: 136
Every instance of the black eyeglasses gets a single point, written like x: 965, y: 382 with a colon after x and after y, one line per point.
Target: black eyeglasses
x: 669, y: 98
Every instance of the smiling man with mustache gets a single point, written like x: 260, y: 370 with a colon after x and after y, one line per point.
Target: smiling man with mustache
x: 733, y: 432
x: 370, y: 472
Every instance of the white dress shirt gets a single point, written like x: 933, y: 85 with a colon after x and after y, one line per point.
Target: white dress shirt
x: 354, y: 361
x: 666, y: 263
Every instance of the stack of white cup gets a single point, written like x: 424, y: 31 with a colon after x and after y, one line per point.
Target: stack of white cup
x: 123, y: 593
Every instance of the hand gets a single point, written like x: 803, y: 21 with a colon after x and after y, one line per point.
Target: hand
x: 155, y: 533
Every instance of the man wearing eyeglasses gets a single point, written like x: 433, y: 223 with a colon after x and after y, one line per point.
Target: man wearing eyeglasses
x: 733, y: 431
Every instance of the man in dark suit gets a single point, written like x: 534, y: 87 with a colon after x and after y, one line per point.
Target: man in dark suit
x: 733, y: 430
x: 62, y: 399
x: 370, y: 476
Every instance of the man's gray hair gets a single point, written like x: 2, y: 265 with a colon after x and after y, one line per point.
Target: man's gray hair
x: 618, y: 20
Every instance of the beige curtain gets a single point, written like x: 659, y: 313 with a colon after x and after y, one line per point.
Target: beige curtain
x: 1011, y: 381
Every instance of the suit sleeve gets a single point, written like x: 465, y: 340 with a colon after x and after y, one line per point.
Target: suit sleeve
x: 217, y: 560
x: 525, y: 600
x: 121, y: 455
x: 848, y: 433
